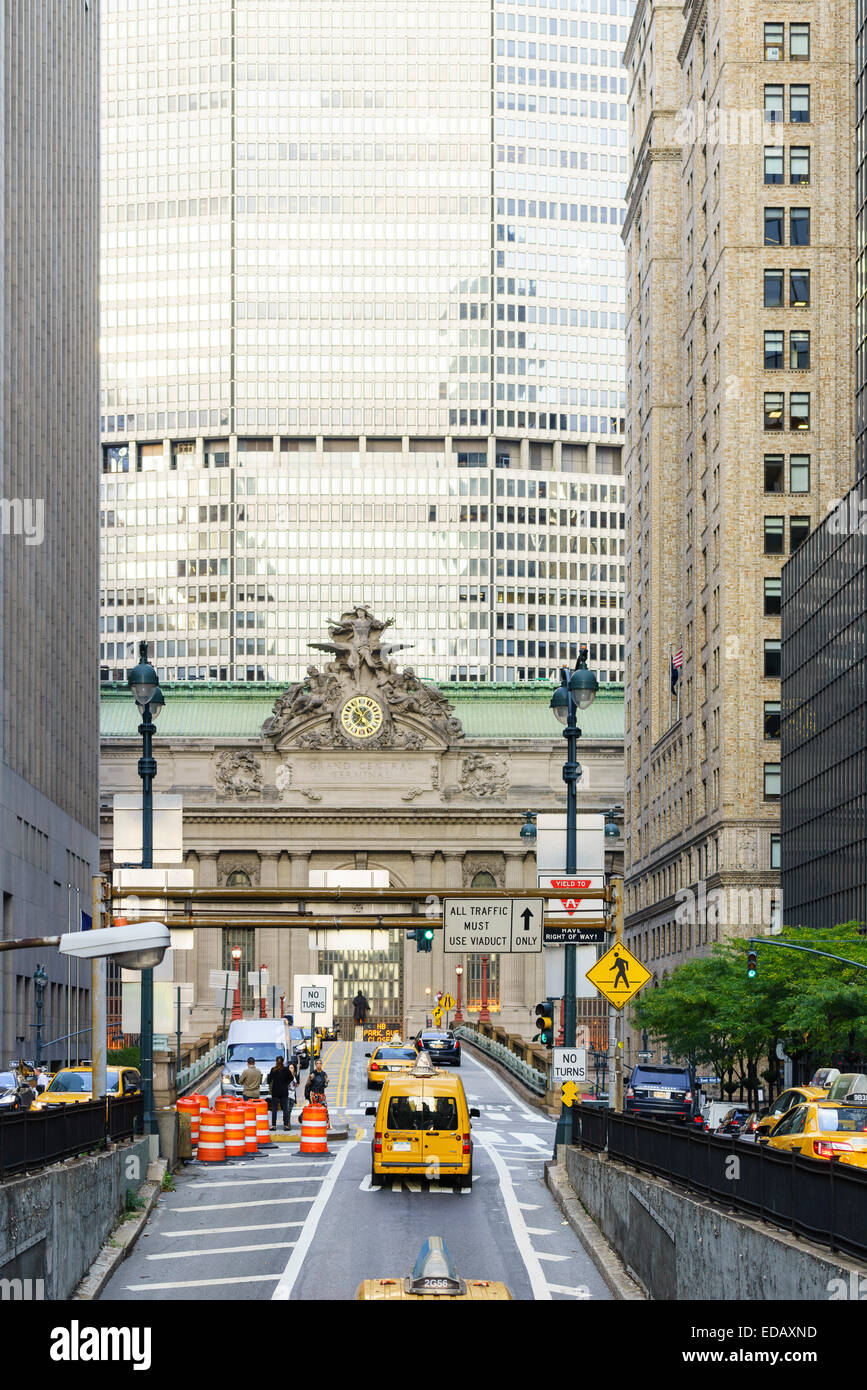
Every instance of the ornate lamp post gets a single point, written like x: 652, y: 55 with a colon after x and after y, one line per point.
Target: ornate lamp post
x: 144, y: 684
x: 459, y: 971
x: 40, y: 979
x: 484, y: 1016
x: 236, y: 1002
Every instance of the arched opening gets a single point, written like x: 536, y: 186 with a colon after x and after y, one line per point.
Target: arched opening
x: 238, y: 878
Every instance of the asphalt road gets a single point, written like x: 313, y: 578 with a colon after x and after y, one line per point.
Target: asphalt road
x: 285, y: 1226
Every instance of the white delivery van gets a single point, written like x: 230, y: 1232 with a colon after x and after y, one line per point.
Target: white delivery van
x: 264, y: 1039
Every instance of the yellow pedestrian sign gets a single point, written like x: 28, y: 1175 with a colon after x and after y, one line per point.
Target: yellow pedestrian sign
x: 446, y: 1002
x: 619, y: 975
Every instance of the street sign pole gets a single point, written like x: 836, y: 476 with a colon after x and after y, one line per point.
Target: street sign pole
x: 618, y: 1036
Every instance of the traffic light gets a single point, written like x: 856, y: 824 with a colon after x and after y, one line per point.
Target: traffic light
x: 545, y: 1023
x: 752, y: 965
x: 422, y: 936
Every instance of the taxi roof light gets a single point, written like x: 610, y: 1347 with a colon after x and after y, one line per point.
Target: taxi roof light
x: 424, y: 1066
x: 434, y: 1270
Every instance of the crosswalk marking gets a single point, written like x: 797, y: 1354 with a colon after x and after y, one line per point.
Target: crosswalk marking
x: 230, y: 1230
x: 223, y: 1250
x: 205, y: 1283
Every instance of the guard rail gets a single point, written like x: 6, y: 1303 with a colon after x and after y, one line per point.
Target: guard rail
x: 533, y: 1079
x: 208, y: 1060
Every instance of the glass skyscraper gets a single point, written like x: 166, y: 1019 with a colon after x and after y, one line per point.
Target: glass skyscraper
x: 362, y: 318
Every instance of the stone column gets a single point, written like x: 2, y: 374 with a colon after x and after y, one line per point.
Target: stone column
x: 209, y: 940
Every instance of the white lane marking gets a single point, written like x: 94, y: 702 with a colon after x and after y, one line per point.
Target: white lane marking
x: 489, y: 1136
x: 581, y: 1291
x: 229, y: 1206
x: 290, y: 1163
x: 512, y: 1097
x: 223, y: 1250
x: 229, y: 1230
x: 531, y: 1230
x: 365, y: 1185
x: 253, y: 1182
x: 529, y: 1206
x: 540, y: 1255
x: 412, y: 1186
x: 538, y: 1282
x: 293, y: 1268
x: 204, y: 1283
x: 532, y: 1141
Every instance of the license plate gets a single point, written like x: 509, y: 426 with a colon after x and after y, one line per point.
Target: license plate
x: 439, y: 1044
x: 402, y: 1147
x: 662, y: 1095
x: 395, y: 1068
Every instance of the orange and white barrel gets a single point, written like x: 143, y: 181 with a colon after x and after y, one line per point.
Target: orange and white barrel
x: 314, y: 1130
x: 204, y: 1103
x: 263, y: 1134
x: 224, y: 1102
x: 236, y: 1138
x: 212, y: 1137
x: 250, y: 1127
x: 189, y: 1105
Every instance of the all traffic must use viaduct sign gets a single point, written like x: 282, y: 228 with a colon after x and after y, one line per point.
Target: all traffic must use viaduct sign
x: 510, y: 925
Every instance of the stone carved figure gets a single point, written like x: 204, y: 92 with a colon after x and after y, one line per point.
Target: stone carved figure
x: 483, y: 776
x: 238, y: 774
x: 360, y: 665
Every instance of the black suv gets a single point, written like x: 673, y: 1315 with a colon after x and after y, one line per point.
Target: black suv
x: 659, y: 1092
x: 442, y: 1045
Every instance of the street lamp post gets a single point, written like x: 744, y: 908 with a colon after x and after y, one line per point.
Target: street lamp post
x: 236, y: 1002
x: 40, y: 979
x: 144, y: 684
x: 459, y: 971
x: 484, y: 1016
x: 576, y: 691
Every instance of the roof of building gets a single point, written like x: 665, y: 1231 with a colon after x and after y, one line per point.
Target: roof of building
x: 237, y: 709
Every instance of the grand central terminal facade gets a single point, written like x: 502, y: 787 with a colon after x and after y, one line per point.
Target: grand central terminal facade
x: 361, y: 766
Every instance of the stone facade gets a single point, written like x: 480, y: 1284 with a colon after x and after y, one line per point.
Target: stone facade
x: 419, y: 799
x: 700, y: 779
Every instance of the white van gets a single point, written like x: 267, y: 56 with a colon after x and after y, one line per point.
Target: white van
x: 264, y: 1039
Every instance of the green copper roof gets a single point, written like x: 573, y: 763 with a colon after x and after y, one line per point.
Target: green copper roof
x: 238, y: 710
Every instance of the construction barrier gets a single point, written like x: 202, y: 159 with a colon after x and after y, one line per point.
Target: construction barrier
x: 236, y: 1143
x: 263, y: 1133
x: 204, y: 1103
x: 212, y: 1137
x: 314, y: 1130
x: 224, y: 1102
x: 190, y: 1105
x: 250, y: 1127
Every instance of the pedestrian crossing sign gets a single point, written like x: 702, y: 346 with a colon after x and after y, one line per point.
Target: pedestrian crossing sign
x: 618, y: 975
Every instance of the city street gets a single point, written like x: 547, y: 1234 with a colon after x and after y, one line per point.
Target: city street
x: 282, y: 1226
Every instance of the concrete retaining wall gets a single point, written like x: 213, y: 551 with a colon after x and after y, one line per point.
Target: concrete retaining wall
x: 53, y: 1223
x: 679, y: 1247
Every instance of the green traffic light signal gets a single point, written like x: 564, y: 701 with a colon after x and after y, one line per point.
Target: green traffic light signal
x: 545, y: 1023
x: 752, y: 965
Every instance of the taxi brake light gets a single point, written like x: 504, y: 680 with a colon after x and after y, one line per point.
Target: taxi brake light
x: 465, y: 1143
x: 823, y: 1148
x: 374, y: 1066
x: 377, y: 1143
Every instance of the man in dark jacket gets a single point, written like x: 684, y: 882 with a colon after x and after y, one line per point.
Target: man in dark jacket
x: 360, y: 1008
x: 282, y: 1085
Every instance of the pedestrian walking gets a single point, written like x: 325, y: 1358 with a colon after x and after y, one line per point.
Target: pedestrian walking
x: 283, y: 1087
x: 314, y: 1090
x: 251, y: 1080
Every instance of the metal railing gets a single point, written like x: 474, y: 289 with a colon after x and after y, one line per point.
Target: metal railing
x: 187, y: 1075
x: 533, y: 1079
x: 31, y: 1139
x: 820, y: 1199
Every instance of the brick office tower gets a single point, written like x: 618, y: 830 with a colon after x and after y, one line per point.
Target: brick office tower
x: 739, y: 235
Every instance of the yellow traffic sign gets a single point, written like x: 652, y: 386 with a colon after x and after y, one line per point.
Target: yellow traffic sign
x: 618, y: 975
x: 570, y: 1093
x: 437, y: 1014
x: 447, y: 1002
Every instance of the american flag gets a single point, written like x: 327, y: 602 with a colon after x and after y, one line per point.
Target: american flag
x: 676, y: 663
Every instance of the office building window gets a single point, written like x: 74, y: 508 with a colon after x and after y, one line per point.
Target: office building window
x: 799, y: 103
x: 799, y: 42
x: 772, y: 719
x: 799, y: 473
x: 799, y: 164
x: 774, y: 473
x: 799, y: 410
x: 772, y: 781
x: 774, y: 535
x: 773, y: 349
x: 799, y: 350
x: 774, y: 288
x: 799, y: 289
x: 774, y: 102
x: 773, y: 226
x: 774, y: 410
x: 799, y: 226
x: 772, y: 659
x: 775, y: 852
x: 774, y: 43
x: 799, y: 530
x: 774, y: 164
x: 773, y: 600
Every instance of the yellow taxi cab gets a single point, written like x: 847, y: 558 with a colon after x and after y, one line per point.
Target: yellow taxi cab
x: 422, y: 1127
x: 72, y: 1084
x: 795, y: 1095
x: 387, y: 1060
x: 831, y: 1129
x: 434, y: 1276
x: 317, y: 1046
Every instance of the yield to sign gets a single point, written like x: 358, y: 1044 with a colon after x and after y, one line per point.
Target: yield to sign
x: 571, y: 902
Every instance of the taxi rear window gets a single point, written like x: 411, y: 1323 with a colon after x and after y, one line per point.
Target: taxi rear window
x: 421, y: 1112
x: 396, y: 1053
x: 849, y: 1119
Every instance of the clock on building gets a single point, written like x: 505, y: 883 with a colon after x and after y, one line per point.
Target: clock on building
x: 361, y: 717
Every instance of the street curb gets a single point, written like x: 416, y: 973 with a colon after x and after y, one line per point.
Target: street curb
x: 336, y: 1134
x: 606, y: 1260
x: 111, y: 1257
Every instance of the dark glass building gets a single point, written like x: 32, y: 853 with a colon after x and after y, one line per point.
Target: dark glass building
x: 861, y: 238
x: 824, y: 721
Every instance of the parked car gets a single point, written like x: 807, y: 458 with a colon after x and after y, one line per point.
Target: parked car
x: 442, y: 1045
x: 734, y: 1120
x: 659, y: 1092
x: 824, y: 1129
x: 8, y: 1091
x: 795, y: 1095
x: 74, y: 1084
